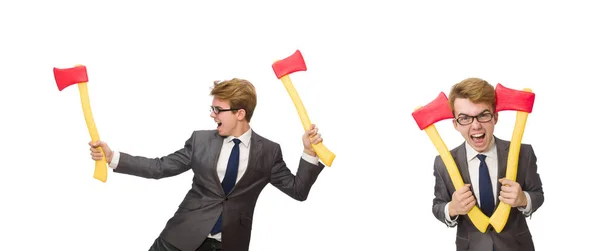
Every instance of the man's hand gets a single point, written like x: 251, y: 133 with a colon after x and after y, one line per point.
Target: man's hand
x: 462, y: 201
x: 311, y: 137
x: 95, y: 151
x: 512, y: 194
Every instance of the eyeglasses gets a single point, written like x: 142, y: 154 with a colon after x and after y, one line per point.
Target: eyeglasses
x: 217, y: 109
x: 481, y: 118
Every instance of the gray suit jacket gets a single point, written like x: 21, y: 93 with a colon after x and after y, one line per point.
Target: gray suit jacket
x: 515, y: 236
x: 206, y: 200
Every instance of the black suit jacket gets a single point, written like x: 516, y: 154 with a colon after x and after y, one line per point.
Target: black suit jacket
x: 515, y: 236
x: 206, y: 200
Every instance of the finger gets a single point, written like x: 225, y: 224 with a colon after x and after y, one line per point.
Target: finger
x: 468, y: 193
x: 506, y: 182
x: 509, y: 189
x: 508, y: 195
x: 470, y: 205
x: 312, y: 134
x: 309, y: 133
x: 466, y: 206
x: 316, y: 139
x: 464, y: 196
x: 470, y: 199
x: 503, y: 199
x: 465, y: 192
x: 463, y: 189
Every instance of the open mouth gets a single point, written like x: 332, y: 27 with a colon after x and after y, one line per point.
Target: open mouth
x: 219, y: 124
x: 478, y: 138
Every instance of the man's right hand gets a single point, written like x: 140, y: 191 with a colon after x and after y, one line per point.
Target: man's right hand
x: 97, y: 154
x: 462, y: 201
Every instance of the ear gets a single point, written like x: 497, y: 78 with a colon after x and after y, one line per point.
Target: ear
x: 454, y: 121
x: 495, y: 118
x: 241, y: 114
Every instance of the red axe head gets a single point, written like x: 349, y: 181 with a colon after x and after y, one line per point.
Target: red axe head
x: 69, y: 76
x: 515, y: 100
x: 288, y: 65
x: 436, y: 110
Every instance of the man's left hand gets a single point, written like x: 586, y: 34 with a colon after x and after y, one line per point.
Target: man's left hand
x: 512, y: 194
x: 311, y: 136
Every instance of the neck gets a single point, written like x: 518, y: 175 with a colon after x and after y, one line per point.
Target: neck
x: 242, y: 128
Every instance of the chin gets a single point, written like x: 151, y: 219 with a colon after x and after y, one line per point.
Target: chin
x: 482, y: 148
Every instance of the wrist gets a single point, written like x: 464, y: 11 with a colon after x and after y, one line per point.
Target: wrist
x: 109, y: 157
x: 523, y: 200
x: 451, y: 211
x: 310, y: 152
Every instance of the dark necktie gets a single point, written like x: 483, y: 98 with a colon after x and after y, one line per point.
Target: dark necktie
x: 486, y: 193
x: 230, y: 177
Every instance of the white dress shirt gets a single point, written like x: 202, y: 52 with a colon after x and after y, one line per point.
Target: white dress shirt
x: 491, y: 161
x: 224, y: 158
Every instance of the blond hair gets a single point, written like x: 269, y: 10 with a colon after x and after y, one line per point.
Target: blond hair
x: 476, y: 90
x: 240, y: 94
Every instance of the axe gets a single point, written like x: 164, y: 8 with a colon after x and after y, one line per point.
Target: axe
x: 522, y: 102
x: 426, y: 117
x: 282, y: 69
x: 78, y: 74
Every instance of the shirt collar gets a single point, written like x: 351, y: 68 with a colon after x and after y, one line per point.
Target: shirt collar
x: 244, y: 138
x: 491, y: 153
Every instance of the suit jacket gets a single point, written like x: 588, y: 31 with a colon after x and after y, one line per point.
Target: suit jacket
x: 206, y: 200
x: 515, y: 236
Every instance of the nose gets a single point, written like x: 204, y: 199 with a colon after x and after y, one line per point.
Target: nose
x: 475, y: 124
x: 213, y: 115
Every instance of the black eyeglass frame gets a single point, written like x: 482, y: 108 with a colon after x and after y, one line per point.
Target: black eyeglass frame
x: 481, y: 118
x: 218, y: 110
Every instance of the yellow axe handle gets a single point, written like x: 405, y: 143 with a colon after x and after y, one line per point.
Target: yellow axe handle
x: 480, y: 220
x: 324, y: 154
x: 500, y: 216
x: 100, y: 171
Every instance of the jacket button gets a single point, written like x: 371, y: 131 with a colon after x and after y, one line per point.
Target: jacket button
x: 226, y: 198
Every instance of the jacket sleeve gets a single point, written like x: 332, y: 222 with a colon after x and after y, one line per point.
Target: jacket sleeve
x: 157, y: 168
x: 296, y: 186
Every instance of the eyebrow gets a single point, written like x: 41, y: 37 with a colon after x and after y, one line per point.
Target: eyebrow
x: 484, y: 111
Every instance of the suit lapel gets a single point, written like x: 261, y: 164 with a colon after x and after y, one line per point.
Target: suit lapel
x: 463, y: 166
x: 502, y: 151
x: 254, y: 154
x: 213, y: 154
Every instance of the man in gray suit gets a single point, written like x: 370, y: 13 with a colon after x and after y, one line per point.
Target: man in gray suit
x: 231, y: 166
x: 481, y: 160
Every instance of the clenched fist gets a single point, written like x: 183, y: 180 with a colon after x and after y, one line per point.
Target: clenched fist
x: 462, y: 201
x: 97, y: 154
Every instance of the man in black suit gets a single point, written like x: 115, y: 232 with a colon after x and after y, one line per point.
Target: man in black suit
x: 231, y: 164
x: 482, y: 160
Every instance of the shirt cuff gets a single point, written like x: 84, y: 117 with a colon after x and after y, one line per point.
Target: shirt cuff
x: 115, y: 160
x: 310, y: 159
x: 527, y: 210
x: 449, y: 222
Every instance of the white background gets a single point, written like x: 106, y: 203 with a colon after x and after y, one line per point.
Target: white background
x: 150, y: 65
